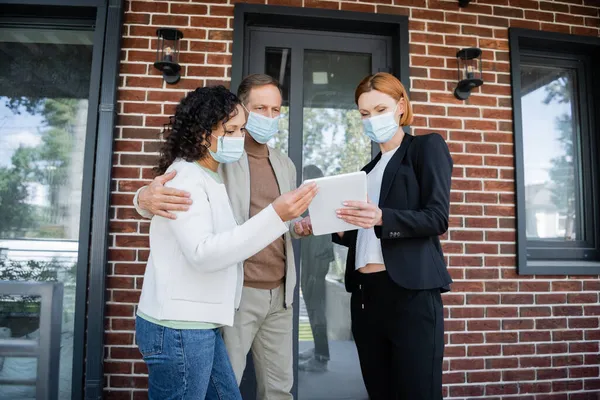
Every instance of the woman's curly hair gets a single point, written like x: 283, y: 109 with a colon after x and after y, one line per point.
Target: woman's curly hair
x: 190, y: 128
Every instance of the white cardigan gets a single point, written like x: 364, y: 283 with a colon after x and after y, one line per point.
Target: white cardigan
x: 194, y: 270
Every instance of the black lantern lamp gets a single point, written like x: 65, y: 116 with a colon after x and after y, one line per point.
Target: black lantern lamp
x: 167, y: 54
x: 469, y: 72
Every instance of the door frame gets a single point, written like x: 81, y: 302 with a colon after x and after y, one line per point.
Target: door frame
x: 295, y: 39
x: 342, y: 22
x: 88, y: 345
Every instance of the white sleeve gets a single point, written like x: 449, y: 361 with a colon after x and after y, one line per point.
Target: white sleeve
x: 143, y: 213
x: 202, y: 247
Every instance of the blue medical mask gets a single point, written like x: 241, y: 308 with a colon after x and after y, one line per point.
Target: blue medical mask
x: 381, y: 128
x: 229, y: 149
x: 261, y: 128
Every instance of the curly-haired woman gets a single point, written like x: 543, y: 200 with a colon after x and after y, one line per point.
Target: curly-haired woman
x: 194, y: 274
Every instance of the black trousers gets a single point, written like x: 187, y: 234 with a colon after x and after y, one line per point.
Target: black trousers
x: 399, y: 335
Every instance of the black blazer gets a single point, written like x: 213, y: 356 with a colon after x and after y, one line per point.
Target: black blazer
x: 415, y: 201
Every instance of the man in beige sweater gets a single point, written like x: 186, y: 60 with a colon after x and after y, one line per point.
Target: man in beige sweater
x: 264, y: 322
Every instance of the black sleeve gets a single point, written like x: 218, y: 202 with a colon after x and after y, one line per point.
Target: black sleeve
x: 434, y: 172
x: 345, y: 241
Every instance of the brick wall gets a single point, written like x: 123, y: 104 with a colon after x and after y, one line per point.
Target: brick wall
x: 507, y: 336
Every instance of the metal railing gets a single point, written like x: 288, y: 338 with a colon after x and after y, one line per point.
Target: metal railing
x: 47, y: 348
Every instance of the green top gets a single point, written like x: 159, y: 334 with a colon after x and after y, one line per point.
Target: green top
x: 178, y: 324
x: 212, y: 173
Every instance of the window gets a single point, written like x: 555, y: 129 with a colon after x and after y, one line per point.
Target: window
x: 555, y: 103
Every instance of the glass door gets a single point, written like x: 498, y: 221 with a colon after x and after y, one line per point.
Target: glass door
x: 322, y: 133
x: 45, y: 143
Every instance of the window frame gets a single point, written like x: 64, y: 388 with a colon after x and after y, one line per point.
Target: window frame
x: 579, y: 257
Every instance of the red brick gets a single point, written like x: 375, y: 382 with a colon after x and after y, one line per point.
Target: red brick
x: 568, y: 311
x: 477, y: 31
x: 562, y: 386
x: 492, y: 21
x: 569, y: 335
x: 536, y: 387
x: 466, y: 364
x: 502, y: 363
x: 518, y: 349
x: 483, y: 376
x: 551, y: 373
x: 150, y: 7
x: 466, y: 338
x: 517, y: 299
x: 462, y: 391
x: 483, y: 325
x: 119, y: 310
x: 592, y: 310
x: 483, y: 298
x: 518, y: 375
x: 503, y: 388
x: 534, y: 336
x: 585, y: 347
x: 581, y: 298
x: 467, y: 312
x: 532, y: 4
x: 562, y: 286
x: 553, y: 348
x: 463, y: 135
x: 427, y: 14
x: 461, y: 18
x: 453, y: 378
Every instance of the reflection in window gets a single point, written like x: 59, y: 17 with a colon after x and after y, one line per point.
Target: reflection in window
x: 333, y: 143
x: 278, y: 63
x: 43, y: 115
x: 552, y: 166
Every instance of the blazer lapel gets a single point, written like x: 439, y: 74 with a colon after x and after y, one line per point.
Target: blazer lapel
x: 281, y: 174
x: 367, y: 168
x: 390, y: 170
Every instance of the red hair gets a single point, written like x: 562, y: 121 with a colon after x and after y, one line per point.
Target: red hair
x: 390, y: 85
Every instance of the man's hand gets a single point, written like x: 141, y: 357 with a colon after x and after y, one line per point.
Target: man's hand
x: 159, y: 200
x: 303, y: 227
x: 361, y: 213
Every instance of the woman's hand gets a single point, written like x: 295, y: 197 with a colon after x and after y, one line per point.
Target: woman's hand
x: 293, y: 204
x: 303, y: 227
x: 361, y: 213
x: 159, y: 200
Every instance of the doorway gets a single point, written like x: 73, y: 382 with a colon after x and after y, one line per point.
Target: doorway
x: 321, y: 131
x: 57, y: 94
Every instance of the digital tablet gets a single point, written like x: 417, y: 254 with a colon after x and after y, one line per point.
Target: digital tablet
x: 333, y: 191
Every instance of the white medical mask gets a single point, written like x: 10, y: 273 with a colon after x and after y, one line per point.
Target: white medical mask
x: 381, y: 128
x: 229, y: 149
x: 261, y: 128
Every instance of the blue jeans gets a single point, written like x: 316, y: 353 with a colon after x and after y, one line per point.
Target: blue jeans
x: 185, y: 364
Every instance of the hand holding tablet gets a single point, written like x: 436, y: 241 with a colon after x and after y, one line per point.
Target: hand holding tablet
x: 333, y: 192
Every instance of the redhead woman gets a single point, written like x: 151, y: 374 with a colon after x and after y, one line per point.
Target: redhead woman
x: 395, y: 267
x: 193, y: 279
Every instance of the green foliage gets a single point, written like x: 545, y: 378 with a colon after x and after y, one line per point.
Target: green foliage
x: 562, y: 172
x: 46, y: 164
x: 34, y: 271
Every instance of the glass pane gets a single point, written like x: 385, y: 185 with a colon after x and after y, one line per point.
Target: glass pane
x: 333, y: 143
x: 43, y: 113
x: 278, y: 63
x: 551, y: 158
x: 19, y: 318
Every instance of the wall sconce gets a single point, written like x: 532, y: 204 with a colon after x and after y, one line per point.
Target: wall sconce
x: 463, y: 3
x: 469, y: 72
x: 167, y: 54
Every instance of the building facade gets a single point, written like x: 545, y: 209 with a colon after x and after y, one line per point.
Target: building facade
x: 523, y: 247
